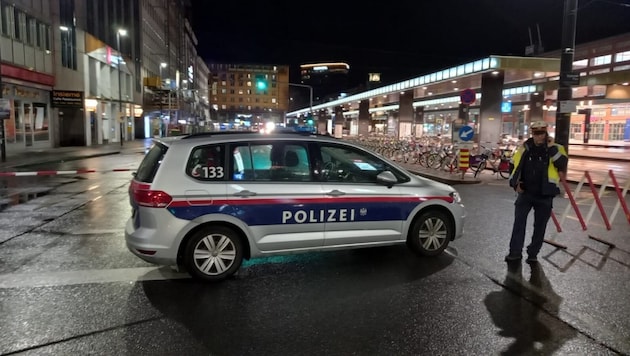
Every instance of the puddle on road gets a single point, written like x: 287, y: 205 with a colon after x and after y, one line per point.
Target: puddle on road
x: 17, y: 198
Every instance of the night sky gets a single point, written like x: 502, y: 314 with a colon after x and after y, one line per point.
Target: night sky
x: 400, y: 39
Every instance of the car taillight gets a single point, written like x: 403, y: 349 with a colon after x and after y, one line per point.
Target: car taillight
x: 144, y: 196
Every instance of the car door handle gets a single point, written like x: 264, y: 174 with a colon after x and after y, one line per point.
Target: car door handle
x: 336, y: 193
x: 245, y: 193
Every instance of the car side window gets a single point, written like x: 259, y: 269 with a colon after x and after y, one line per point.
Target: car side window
x: 207, y: 163
x: 341, y: 163
x: 270, y: 161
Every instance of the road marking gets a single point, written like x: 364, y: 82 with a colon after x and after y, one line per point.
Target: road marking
x: 65, y: 278
x: 55, y: 173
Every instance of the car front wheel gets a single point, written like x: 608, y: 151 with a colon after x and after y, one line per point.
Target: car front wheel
x: 213, y: 254
x: 431, y: 233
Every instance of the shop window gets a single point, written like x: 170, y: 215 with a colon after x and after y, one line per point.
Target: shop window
x: 40, y: 122
x: 575, y: 131
x: 597, y: 131
x: 616, y: 131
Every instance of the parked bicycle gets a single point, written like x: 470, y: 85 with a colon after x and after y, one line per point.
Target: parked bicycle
x: 496, y: 159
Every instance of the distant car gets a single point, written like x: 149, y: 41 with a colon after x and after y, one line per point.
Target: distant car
x: 207, y: 201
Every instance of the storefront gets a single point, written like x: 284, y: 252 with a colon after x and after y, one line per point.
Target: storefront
x: 28, y: 124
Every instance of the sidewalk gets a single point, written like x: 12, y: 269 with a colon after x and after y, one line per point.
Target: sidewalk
x: 617, y: 153
x: 20, y: 161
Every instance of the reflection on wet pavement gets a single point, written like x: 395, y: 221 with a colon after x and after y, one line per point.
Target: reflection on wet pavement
x: 20, y: 190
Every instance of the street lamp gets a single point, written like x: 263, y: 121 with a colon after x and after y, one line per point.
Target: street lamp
x: 120, y: 32
x: 310, y: 88
x: 162, y: 65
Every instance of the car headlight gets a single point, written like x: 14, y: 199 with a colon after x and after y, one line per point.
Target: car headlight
x: 456, y: 197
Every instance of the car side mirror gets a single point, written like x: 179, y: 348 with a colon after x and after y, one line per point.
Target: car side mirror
x: 386, y: 178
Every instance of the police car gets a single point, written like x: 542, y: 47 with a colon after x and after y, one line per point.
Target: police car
x: 207, y: 201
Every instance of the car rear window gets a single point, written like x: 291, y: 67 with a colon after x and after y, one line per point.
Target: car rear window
x: 151, y: 162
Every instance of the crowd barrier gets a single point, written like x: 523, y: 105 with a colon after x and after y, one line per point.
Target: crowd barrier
x: 609, y: 181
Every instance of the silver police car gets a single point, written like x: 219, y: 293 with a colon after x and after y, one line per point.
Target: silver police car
x: 207, y: 201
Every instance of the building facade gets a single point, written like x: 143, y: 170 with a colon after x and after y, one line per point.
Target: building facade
x: 509, y: 92
x: 82, y: 72
x: 169, y: 57
x: 27, y: 70
x: 328, y: 80
x: 246, y: 96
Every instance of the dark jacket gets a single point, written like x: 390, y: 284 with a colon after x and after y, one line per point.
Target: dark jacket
x: 549, y: 184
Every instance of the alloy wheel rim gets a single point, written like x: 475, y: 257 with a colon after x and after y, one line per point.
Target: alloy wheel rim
x: 214, y: 254
x: 432, y: 234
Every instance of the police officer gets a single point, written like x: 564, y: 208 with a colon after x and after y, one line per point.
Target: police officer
x: 535, y: 172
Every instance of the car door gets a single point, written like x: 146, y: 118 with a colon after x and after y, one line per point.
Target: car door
x: 359, y: 209
x: 273, y: 191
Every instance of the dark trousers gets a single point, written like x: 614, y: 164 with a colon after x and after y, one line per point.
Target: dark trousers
x: 542, y: 212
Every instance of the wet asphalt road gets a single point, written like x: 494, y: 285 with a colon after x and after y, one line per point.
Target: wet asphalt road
x: 69, y: 286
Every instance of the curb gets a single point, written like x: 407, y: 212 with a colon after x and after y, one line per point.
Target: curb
x: 56, y: 160
x: 445, y: 180
x: 599, y: 158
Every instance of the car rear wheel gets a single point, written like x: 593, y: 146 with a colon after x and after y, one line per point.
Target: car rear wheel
x: 431, y: 233
x: 213, y: 254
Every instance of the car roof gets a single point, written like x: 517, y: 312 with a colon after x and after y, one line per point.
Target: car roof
x: 226, y: 136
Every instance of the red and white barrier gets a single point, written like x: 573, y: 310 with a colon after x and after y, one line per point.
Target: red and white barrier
x: 56, y: 173
x: 597, y: 203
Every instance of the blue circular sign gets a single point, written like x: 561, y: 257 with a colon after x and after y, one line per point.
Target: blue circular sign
x: 466, y: 133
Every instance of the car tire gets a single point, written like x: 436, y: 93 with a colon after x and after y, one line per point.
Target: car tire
x: 431, y: 233
x: 213, y: 254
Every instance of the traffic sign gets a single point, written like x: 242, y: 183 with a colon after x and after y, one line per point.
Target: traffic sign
x: 468, y: 96
x: 464, y: 159
x: 571, y: 79
x: 466, y: 133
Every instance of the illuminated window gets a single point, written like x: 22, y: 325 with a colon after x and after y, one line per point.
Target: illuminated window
x: 622, y: 56
x: 601, y: 60
x: 581, y: 64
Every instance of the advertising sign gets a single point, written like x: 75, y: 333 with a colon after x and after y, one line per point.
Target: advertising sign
x: 66, y: 99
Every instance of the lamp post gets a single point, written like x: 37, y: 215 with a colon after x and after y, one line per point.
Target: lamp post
x: 120, y: 32
x: 563, y: 119
x: 162, y: 66
x: 310, y: 88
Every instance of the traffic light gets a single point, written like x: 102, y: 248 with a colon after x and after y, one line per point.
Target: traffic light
x: 309, y: 120
x: 261, y: 84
